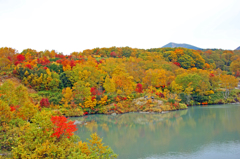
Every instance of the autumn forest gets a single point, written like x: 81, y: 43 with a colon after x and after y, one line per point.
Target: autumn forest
x: 39, y: 90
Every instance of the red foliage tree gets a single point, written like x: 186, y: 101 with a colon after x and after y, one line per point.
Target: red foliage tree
x: 72, y: 63
x: 95, y: 91
x: 16, y: 63
x: 93, y: 97
x: 43, y: 61
x: 9, y: 58
x: 59, y: 61
x: 62, y: 126
x: 60, y: 56
x: 178, y: 64
x: 44, y: 102
x: 113, y: 54
x: 20, y: 57
x: 28, y: 66
x: 13, y: 108
x: 211, y: 75
x: 139, y: 88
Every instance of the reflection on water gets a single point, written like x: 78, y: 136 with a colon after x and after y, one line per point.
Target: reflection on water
x: 218, y: 151
x: 199, y: 132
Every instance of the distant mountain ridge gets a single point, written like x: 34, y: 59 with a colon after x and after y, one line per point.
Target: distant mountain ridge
x: 238, y: 48
x: 173, y: 45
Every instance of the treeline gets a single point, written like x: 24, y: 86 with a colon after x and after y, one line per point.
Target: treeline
x: 86, y: 78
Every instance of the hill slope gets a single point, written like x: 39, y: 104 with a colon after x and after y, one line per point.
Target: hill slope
x: 172, y: 45
x: 16, y: 81
x: 238, y: 48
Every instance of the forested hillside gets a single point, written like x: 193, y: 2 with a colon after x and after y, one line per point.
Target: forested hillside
x: 92, y: 80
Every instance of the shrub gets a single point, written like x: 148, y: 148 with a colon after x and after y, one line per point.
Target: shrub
x: 62, y: 126
x: 199, y: 98
x: 139, y: 88
x: 178, y: 64
x: 171, y: 101
x: 182, y: 106
x: 55, y: 100
x: 44, y: 103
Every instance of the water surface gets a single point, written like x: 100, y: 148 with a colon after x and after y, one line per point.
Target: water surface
x: 198, y: 132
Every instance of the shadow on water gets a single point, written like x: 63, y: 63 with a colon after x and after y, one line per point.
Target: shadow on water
x: 177, y: 134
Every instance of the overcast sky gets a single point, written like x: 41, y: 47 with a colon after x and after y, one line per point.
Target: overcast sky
x: 76, y: 25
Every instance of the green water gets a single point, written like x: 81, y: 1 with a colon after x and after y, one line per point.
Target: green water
x: 199, y: 132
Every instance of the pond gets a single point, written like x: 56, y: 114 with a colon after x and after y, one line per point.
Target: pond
x: 198, y: 132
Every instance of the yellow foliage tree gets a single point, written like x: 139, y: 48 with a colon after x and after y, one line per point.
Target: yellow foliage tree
x: 228, y: 82
x: 90, y: 102
x: 109, y: 85
x: 67, y: 96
